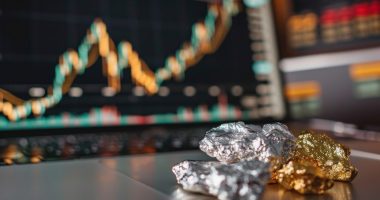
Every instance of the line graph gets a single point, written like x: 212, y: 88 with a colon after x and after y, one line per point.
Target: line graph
x: 205, y: 38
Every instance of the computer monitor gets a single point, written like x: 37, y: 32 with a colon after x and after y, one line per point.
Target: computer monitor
x: 330, y: 59
x: 80, y: 64
x: 313, y: 27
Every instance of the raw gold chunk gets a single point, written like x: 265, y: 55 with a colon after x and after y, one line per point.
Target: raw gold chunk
x: 330, y: 156
x: 276, y: 163
x: 304, y: 177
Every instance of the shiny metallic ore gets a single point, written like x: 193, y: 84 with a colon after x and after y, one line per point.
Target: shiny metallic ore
x: 332, y: 157
x: 234, y: 142
x: 243, y: 180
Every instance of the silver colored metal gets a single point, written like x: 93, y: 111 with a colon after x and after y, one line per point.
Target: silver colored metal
x: 234, y: 142
x: 243, y: 180
x: 192, y: 175
x: 279, y: 137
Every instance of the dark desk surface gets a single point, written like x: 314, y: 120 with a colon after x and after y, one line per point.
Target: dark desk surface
x: 150, y: 177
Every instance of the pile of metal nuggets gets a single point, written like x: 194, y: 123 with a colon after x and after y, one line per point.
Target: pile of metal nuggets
x: 251, y: 156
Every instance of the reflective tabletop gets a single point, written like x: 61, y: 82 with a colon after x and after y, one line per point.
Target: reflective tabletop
x: 155, y: 172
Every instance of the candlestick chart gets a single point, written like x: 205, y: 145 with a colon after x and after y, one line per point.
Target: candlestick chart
x: 111, y: 77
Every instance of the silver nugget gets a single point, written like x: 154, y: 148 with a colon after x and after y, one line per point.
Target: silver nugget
x: 244, y: 180
x: 234, y: 142
x: 279, y: 137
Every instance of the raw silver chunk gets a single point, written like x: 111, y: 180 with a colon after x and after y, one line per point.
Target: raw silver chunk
x: 243, y: 180
x: 281, y: 140
x: 192, y: 175
x: 233, y: 142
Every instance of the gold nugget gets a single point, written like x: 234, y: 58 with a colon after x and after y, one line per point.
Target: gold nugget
x: 330, y: 156
x: 304, y: 177
x: 276, y: 163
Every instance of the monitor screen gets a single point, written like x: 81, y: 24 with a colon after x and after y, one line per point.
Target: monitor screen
x: 137, y: 62
x: 330, y: 59
x: 313, y: 27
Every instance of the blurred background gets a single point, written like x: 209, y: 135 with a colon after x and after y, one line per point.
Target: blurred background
x: 102, y: 78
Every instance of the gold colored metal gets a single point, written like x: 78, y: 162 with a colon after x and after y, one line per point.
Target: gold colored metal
x: 304, y: 177
x: 276, y: 163
x: 314, y: 163
x: 330, y: 156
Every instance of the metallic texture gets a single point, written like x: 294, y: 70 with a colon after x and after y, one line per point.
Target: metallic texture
x: 276, y: 163
x: 192, y: 175
x: 243, y: 180
x: 304, y: 177
x: 279, y: 137
x: 234, y: 142
x: 251, y: 156
x: 330, y: 156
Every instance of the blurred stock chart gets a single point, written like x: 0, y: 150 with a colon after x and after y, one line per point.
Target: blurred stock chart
x: 67, y: 64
